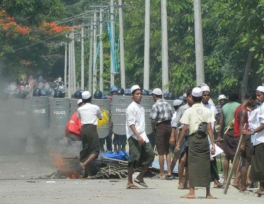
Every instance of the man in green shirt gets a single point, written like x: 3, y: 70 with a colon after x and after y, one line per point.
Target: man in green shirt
x: 229, y: 144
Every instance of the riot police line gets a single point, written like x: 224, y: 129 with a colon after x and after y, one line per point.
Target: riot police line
x: 46, y: 117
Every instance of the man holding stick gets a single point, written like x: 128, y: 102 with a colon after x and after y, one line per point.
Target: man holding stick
x: 257, y: 138
x: 229, y: 144
x: 198, y: 120
x: 241, y: 118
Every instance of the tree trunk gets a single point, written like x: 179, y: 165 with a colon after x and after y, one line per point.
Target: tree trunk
x: 244, y: 83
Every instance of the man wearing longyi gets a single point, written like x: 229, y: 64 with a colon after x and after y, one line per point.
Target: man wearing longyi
x: 198, y: 120
x: 140, y: 149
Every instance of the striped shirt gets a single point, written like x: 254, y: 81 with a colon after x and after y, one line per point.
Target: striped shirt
x: 161, y: 111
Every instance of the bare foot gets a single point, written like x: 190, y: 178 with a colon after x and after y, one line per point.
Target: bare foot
x: 260, y: 192
x: 189, y: 196
x: 187, y: 187
x: 210, y: 197
x: 180, y: 186
x: 162, y: 176
x: 235, y: 185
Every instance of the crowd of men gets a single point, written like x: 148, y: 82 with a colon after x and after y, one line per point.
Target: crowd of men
x: 33, y: 86
x: 191, y: 131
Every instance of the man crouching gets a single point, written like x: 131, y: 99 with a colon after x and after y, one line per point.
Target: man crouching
x: 140, y: 150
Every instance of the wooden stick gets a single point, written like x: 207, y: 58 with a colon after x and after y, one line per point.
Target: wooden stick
x: 228, y: 127
x: 235, y: 158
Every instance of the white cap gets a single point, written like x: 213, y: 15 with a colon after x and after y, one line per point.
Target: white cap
x: 197, y: 92
x: 86, y: 95
x: 205, y: 88
x: 157, y: 92
x: 221, y: 97
x: 134, y: 87
x: 177, y: 102
x: 261, y: 89
x: 184, y: 95
x: 79, y: 101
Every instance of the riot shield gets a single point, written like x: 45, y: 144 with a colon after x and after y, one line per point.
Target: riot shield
x: 147, y: 102
x: 171, y: 104
x: 15, y: 126
x: 74, y: 106
x: 104, y: 105
x: 118, y: 110
x: 59, y: 116
x: 39, y: 115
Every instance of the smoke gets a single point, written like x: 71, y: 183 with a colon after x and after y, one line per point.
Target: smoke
x: 29, y: 139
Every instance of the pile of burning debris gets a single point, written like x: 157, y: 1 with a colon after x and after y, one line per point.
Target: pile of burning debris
x: 105, y: 168
x: 68, y: 167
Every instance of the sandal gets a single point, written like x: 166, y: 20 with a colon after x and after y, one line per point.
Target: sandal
x: 132, y: 186
x: 141, y: 183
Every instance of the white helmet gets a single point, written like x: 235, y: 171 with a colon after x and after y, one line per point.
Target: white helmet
x: 221, y: 97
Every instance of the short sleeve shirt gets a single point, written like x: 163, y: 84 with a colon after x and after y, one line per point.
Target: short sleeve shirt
x: 161, y: 111
x: 195, y: 115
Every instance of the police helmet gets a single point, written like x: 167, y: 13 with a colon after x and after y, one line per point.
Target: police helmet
x: 58, y: 94
x: 128, y: 92
x: 145, y: 92
x: 181, y: 98
x: 168, y: 96
x: 63, y: 92
x: 43, y: 92
x: 150, y: 92
x: 36, y: 92
x: 120, y: 91
x: 77, y: 95
x: 104, y: 95
x: 98, y: 94
x: 113, y: 88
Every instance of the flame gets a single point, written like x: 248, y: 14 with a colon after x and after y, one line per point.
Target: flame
x: 62, y: 167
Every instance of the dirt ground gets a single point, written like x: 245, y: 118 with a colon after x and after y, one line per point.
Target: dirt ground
x: 20, y: 182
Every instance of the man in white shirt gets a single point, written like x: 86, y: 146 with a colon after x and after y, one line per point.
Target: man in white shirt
x: 89, y: 113
x: 257, y: 139
x: 140, y: 149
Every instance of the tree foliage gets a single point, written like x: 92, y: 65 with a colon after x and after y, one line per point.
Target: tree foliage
x: 232, y: 29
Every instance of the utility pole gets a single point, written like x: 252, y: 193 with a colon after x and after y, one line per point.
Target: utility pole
x: 122, y: 50
x: 146, y: 46
x: 94, y: 54
x: 65, y: 64
x: 101, y: 52
x: 73, y: 63
x: 198, y: 42
x: 90, y: 58
x: 112, y: 80
x: 82, y: 58
x: 164, y: 41
x: 70, y: 66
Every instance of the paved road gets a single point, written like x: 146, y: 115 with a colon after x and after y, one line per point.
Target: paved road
x: 18, y: 184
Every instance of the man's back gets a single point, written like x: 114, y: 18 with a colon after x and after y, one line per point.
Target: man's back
x: 228, y: 112
x: 161, y: 111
